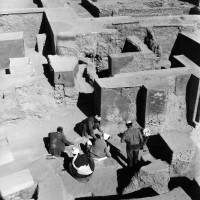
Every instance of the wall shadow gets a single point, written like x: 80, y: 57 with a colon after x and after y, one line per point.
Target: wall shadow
x: 49, y: 74
x: 86, y: 103
x: 143, y: 193
x: 93, y: 10
x: 49, y: 47
x: 141, y: 106
x: 46, y: 141
x: 159, y: 149
x: 194, y: 2
x: 124, y: 177
x: 176, y: 50
x: 191, y: 188
x: 38, y: 3
x: 105, y: 73
x: 115, y: 153
x: 191, y: 99
x: 130, y: 47
x: 1, y: 198
x: 194, y: 11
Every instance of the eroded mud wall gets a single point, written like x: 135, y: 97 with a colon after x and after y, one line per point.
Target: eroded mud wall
x: 25, y: 21
x: 96, y: 46
x: 159, y: 39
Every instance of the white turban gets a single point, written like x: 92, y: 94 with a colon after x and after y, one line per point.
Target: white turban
x: 106, y: 136
x: 147, y: 132
x: 97, y: 117
x: 128, y: 122
x: 89, y: 143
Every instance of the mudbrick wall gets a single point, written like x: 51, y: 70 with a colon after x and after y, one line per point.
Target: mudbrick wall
x: 28, y: 22
x: 143, y: 101
x: 96, y: 46
x: 29, y: 100
x: 135, y: 56
x: 159, y: 39
x: 103, y: 9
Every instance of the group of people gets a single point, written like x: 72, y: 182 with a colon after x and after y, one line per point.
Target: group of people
x: 82, y: 165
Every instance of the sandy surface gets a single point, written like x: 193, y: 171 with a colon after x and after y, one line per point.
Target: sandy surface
x: 14, y: 4
x: 26, y: 143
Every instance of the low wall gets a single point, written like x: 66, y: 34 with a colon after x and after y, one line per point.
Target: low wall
x: 162, y: 36
x: 26, y: 20
x: 132, y: 62
x: 103, y: 9
x: 130, y: 97
x: 96, y: 46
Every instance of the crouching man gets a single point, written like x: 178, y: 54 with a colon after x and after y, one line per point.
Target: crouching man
x: 99, y: 150
x: 82, y: 166
x: 88, y: 125
x: 57, y: 142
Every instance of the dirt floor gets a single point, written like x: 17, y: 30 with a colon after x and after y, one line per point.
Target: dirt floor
x: 27, y: 145
x: 14, y: 4
x: 26, y: 142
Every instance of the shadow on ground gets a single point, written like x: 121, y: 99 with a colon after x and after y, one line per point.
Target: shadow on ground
x: 191, y: 188
x: 86, y: 103
x: 115, y: 152
x: 159, y: 149
x: 143, y: 193
x: 46, y: 143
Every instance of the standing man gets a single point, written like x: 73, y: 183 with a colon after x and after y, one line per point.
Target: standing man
x: 57, y: 142
x: 88, y: 126
x: 134, y: 139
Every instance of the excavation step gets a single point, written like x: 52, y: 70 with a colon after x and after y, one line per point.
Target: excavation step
x: 16, y: 182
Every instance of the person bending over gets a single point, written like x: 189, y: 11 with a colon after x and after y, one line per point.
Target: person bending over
x: 88, y: 126
x: 57, y: 142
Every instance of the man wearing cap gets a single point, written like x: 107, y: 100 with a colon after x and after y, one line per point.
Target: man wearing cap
x: 134, y: 139
x: 57, y: 142
x: 88, y: 126
x: 100, y: 150
x: 82, y: 166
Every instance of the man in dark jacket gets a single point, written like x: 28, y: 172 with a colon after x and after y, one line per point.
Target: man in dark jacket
x: 88, y: 126
x: 134, y: 139
x: 57, y: 142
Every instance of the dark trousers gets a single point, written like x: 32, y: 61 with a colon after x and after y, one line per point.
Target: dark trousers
x: 83, y: 130
x: 132, y: 156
